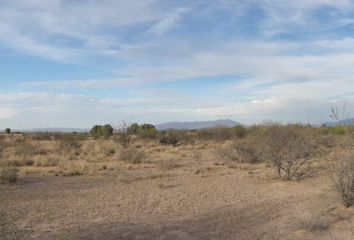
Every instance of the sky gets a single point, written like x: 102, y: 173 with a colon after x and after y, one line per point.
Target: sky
x: 76, y: 63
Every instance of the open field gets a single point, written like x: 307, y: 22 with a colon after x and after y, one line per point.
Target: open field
x: 198, y: 189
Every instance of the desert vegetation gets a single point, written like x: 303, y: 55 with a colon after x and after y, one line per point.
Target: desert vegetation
x: 133, y: 157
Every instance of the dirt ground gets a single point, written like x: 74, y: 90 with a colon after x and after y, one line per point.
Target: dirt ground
x: 184, y: 199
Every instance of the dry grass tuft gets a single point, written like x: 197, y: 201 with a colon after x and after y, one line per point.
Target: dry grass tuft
x: 131, y: 155
x: 8, y: 175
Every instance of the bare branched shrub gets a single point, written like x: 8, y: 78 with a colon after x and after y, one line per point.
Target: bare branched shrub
x: 245, y: 151
x: 227, y: 153
x: 124, y: 135
x: 288, y: 149
x: 343, y: 175
x: 131, y: 155
x: 343, y: 159
x: 249, y: 151
x: 172, y: 137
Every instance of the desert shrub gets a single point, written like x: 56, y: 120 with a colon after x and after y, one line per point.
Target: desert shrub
x: 217, y: 133
x: 29, y: 162
x: 110, y: 152
x: 99, y: 131
x: 171, y: 137
x: 7, y: 131
x: 8, y: 175
x: 240, y: 131
x: 70, y: 136
x: 204, y: 134
x: 249, y: 151
x: 288, y: 149
x: 131, y: 155
x: 124, y: 135
x: 343, y: 175
x: 221, y: 133
x: 227, y: 153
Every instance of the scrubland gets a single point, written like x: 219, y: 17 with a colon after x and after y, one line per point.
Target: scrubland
x: 263, y: 182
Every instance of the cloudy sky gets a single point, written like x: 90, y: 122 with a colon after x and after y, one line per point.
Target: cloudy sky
x: 75, y: 63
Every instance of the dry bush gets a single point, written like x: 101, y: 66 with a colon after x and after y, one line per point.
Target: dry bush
x: 109, y: 151
x: 217, y: 134
x: 343, y: 174
x: 240, y: 131
x: 245, y: 151
x: 131, y: 155
x: 288, y: 148
x: 172, y: 137
x: 124, y: 136
x: 227, y: 153
x: 8, y: 175
x: 250, y: 150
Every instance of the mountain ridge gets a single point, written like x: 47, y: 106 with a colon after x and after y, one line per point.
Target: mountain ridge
x: 348, y: 121
x: 197, y: 124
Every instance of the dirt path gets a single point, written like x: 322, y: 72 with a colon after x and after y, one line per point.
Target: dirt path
x: 219, y: 204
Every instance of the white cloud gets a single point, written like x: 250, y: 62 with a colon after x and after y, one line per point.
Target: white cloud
x: 167, y: 22
x: 273, y: 79
x: 7, y: 113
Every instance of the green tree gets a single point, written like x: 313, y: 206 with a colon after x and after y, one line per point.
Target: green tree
x: 147, y: 130
x: 107, y: 130
x: 99, y: 131
x: 7, y: 130
x: 134, y: 128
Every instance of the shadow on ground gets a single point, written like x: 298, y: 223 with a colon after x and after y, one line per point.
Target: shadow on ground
x: 261, y: 221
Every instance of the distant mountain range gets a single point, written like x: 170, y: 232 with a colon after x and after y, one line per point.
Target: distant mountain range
x: 197, y: 124
x: 175, y: 125
x: 162, y: 126
x: 349, y: 121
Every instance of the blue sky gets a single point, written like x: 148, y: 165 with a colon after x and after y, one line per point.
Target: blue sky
x: 70, y: 63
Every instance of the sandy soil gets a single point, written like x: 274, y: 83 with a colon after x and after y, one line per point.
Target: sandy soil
x: 203, y: 200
